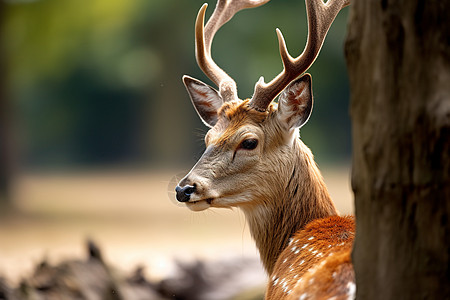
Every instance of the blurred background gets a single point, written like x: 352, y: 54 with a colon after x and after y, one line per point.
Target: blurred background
x: 96, y: 126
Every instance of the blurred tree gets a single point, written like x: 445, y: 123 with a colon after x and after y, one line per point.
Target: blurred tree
x: 71, y: 81
x: 99, y: 82
x: 6, y: 136
x: 398, y: 56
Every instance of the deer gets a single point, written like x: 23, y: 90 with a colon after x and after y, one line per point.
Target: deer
x: 255, y: 161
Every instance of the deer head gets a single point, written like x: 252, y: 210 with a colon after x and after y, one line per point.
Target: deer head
x: 251, y: 144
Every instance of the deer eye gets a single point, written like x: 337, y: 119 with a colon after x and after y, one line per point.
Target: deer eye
x: 249, y: 144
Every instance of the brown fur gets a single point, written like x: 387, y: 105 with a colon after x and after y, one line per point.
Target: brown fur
x: 234, y: 115
x: 295, y: 211
x: 316, y: 264
x: 283, y: 196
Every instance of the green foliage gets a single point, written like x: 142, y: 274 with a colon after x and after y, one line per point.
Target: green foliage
x: 99, y: 81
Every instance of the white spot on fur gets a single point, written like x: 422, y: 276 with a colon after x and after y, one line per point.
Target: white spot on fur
x: 351, y: 290
x: 305, y: 245
x: 296, y: 251
x: 298, y: 282
x: 301, y: 263
x: 303, y: 296
x: 310, y: 238
x: 294, y: 248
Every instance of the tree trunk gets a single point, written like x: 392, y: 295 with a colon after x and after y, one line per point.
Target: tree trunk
x: 398, y: 55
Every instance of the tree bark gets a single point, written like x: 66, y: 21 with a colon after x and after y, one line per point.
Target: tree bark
x: 398, y: 56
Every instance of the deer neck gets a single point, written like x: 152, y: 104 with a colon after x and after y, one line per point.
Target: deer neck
x: 294, y: 200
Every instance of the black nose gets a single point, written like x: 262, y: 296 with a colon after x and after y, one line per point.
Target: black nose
x: 184, y: 193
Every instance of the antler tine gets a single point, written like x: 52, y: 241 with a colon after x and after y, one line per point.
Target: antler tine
x: 224, y: 11
x: 320, y: 17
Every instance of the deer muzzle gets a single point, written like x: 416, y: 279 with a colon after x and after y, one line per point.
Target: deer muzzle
x: 184, y: 193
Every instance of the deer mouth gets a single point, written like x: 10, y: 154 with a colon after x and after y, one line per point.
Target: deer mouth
x: 209, y: 201
x: 199, y: 205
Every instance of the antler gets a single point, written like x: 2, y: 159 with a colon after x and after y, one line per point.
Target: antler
x: 224, y: 11
x: 320, y: 16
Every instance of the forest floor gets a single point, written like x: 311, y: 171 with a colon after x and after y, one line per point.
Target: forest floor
x: 132, y: 216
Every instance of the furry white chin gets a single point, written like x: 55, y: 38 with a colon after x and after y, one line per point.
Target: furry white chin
x: 199, y: 205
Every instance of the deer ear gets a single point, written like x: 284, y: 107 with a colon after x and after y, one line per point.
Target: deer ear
x: 296, y: 102
x: 205, y: 99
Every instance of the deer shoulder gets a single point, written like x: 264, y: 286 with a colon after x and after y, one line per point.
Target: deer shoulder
x: 316, y: 264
